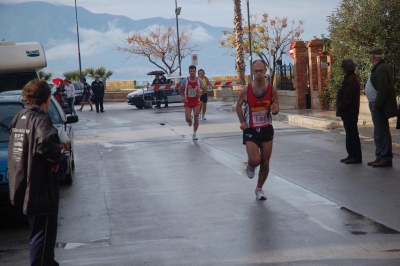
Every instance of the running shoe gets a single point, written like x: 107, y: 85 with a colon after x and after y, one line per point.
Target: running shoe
x: 250, y: 171
x: 191, y: 122
x: 204, y: 118
x: 260, y: 195
x: 194, y: 137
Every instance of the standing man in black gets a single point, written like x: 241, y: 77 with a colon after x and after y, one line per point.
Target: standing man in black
x: 158, y: 81
x: 98, y: 91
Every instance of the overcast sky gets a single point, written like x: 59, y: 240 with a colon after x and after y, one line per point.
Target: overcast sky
x: 218, y: 13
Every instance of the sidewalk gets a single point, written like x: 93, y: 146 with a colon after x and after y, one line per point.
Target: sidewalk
x: 327, y: 120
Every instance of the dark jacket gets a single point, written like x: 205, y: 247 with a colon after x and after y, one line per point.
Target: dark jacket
x: 33, y: 149
x: 98, y: 89
x: 348, y: 96
x: 382, y: 81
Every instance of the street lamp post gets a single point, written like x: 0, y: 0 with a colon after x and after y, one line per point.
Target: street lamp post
x: 248, y: 23
x: 79, y: 49
x: 177, y: 13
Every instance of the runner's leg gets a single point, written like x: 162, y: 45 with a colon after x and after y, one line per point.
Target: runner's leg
x: 196, y: 111
x: 253, y: 153
x: 266, y: 150
x: 188, y: 113
x: 204, y: 108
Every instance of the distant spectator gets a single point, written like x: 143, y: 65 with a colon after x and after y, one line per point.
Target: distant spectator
x: 70, y: 90
x: 98, y: 91
x: 348, y: 106
x: 86, y: 95
x: 159, y: 94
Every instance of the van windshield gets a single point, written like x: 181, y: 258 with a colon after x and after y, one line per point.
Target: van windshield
x: 15, y: 81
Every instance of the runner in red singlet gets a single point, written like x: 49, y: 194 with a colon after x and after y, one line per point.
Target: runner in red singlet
x: 190, y: 93
x: 256, y: 123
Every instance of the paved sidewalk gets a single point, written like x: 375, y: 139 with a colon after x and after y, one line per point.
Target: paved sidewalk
x: 327, y: 120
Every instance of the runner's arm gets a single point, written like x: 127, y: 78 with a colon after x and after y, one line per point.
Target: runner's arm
x: 239, y: 111
x: 183, y: 85
x: 275, y: 102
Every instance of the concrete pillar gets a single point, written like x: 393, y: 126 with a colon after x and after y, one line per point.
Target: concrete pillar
x: 300, y: 74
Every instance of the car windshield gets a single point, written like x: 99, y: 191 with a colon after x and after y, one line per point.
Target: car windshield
x: 7, y: 113
x: 15, y: 81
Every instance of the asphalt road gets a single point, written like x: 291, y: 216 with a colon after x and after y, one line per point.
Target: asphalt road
x: 145, y: 193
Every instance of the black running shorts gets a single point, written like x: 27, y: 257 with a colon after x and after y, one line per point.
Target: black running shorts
x: 258, y: 135
x: 204, y: 98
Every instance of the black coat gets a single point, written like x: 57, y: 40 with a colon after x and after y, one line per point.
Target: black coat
x: 34, y: 148
x: 348, y: 97
x: 98, y: 89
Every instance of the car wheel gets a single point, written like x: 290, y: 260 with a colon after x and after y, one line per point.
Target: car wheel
x: 71, y: 166
x: 139, y: 106
x: 148, y: 102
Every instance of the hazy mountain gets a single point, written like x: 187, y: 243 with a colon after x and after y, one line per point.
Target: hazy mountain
x: 55, y: 27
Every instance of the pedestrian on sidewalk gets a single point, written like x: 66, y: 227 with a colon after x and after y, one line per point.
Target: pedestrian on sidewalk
x: 86, y: 95
x: 348, y: 108
x: 70, y: 91
x: 381, y: 96
x: 34, y: 156
x: 190, y: 94
x: 204, y: 95
x: 262, y: 100
x: 98, y: 91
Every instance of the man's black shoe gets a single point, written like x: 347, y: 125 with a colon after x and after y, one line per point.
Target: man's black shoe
x: 344, y: 160
x: 102, y: 111
x: 352, y: 161
x: 97, y: 111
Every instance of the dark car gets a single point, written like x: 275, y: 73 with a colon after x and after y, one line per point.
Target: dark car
x: 10, y: 104
x: 78, y: 92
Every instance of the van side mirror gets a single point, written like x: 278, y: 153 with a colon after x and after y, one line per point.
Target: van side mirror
x: 72, y: 119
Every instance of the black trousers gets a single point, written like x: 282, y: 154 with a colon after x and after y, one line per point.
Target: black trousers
x: 99, y: 101
x: 159, y: 96
x: 353, y: 144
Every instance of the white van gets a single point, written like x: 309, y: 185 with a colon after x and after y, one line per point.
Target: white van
x: 19, y: 63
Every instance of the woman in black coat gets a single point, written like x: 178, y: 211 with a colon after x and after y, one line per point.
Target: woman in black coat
x: 348, y: 106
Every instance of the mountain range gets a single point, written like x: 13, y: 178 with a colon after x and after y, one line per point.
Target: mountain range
x: 99, y: 36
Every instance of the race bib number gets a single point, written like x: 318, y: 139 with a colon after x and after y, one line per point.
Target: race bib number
x: 192, y: 93
x: 260, y: 118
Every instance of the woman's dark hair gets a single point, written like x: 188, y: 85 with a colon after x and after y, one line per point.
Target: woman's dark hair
x: 348, y: 66
x: 36, y: 92
x: 198, y: 72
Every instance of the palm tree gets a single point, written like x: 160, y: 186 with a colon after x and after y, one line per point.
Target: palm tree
x: 238, y: 31
x: 101, y: 71
x: 73, y: 75
x: 43, y: 75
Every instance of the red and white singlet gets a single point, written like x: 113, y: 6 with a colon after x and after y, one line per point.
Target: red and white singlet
x: 191, y: 93
x: 258, y: 110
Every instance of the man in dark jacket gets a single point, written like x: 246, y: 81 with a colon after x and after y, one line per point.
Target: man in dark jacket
x: 348, y: 106
x: 34, y: 154
x: 158, y: 93
x: 382, y: 103
x: 98, y: 91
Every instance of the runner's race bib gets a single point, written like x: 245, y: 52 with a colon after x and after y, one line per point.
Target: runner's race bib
x: 260, y: 118
x: 192, y: 93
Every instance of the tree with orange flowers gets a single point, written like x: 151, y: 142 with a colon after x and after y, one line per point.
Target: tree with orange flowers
x: 270, y: 38
x: 160, y: 46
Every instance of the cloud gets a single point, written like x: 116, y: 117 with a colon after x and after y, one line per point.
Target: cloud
x: 199, y: 34
x: 92, y: 42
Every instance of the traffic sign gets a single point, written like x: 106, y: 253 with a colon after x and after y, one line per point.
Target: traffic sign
x: 195, y: 59
x: 291, y: 50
